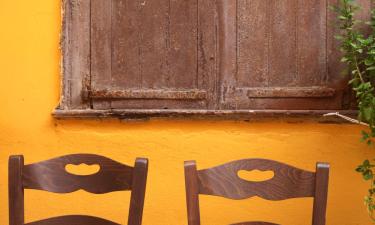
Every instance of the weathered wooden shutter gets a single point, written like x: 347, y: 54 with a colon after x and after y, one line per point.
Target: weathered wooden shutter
x: 186, y: 55
x: 279, y: 55
x: 153, y: 54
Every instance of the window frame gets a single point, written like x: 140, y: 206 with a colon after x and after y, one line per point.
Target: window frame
x: 75, y: 71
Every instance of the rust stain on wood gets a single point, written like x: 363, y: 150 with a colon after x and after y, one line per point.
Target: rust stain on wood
x: 149, y: 94
x: 291, y: 92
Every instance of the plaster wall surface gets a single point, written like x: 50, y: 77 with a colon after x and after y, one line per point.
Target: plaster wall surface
x: 29, y: 90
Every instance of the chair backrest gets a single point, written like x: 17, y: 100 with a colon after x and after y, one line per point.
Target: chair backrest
x: 51, y: 176
x: 287, y: 182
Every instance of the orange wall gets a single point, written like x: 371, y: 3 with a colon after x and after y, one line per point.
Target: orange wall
x: 29, y: 90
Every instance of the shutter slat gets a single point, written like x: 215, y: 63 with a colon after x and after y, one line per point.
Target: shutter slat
x: 153, y: 54
x: 126, y: 43
x: 311, y: 42
x: 101, y: 48
x: 183, y: 45
x: 282, y: 39
x: 153, y: 41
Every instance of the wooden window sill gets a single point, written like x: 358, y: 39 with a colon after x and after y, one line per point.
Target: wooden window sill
x: 252, y: 115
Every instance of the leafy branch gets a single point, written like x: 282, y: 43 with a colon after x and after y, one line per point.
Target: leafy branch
x: 359, y: 55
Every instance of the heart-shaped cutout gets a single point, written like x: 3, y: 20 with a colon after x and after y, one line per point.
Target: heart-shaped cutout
x: 82, y: 169
x: 256, y: 175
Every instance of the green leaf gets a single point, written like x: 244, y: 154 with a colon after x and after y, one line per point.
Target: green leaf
x: 369, y: 61
x: 344, y: 59
x: 365, y: 135
x: 339, y: 37
x: 367, y: 175
x: 353, y: 45
x: 368, y: 113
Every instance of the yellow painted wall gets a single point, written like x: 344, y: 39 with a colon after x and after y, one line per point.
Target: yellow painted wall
x: 29, y: 90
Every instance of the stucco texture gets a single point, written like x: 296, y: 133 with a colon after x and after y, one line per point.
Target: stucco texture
x: 29, y: 90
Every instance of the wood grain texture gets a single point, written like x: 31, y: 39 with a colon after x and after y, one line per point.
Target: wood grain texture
x: 282, y: 60
x: 291, y: 92
x: 73, y: 220
x: 153, y: 46
x: 249, y: 115
x: 16, y: 194
x: 101, y: 33
x: 75, y: 43
x: 138, y: 191
x: 183, y: 50
x: 192, y: 193
x: 253, y: 51
x: 223, y: 48
x: 51, y: 175
x: 153, y: 39
x: 126, y: 44
x: 207, y: 73
x: 288, y: 181
x: 278, y: 45
x: 311, y: 33
x: 101, y: 45
x: 227, y: 47
x: 321, y: 193
x: 255, y: 223
x: 190, y: 94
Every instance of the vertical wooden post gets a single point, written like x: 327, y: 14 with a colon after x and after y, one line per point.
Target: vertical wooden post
x: 192, y: 193
x: 321, y: 192
x: 138, y: 191
x: 227, y: 31
x: 15, y: 189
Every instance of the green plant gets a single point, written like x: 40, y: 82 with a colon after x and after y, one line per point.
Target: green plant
x: 359, y: 55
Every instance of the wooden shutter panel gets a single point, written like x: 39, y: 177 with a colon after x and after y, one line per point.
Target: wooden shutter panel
x: 279, y: 55
x: 75, y: 43
x: 153, y: 54
x: 191, y: 56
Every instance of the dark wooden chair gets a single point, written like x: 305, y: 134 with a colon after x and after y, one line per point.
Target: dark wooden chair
x: 51, y: 176
x: 287, y: 182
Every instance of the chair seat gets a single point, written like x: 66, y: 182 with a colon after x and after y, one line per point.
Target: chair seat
x: 73, y: 219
